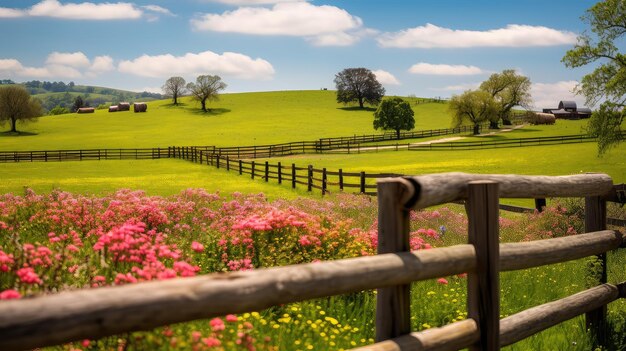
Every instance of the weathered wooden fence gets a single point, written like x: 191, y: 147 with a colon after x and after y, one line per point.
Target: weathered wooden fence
x: 95, y: 313
x: 494, y: 144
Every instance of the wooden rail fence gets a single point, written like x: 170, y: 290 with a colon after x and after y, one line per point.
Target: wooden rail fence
x: 94, y: 313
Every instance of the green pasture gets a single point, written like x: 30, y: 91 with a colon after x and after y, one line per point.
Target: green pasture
x: 155, y: 177
x: 236, y: 119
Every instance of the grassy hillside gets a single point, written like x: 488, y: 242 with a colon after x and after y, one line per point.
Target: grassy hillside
x: 237, y: 119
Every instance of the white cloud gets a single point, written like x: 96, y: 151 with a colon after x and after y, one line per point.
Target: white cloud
x: 102, y: 64
x: 74, y: 59
x: 322, y: 25
x: 253, y: 2
x: 11, y: 13
x: 386, y: 78
x: 10, y: 65
x: 459, y: 87
x: 85, y: 11
x: 548, y: 95
x: 513, y: 35
x: 207, y: 62
x: 444, y: 70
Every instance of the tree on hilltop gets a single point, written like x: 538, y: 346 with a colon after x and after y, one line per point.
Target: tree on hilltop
x: 358, y: 84
x: 16, y: 104
x: 607, y: 82
x: 394, y: 114
x: 508, y: 89
x: 475, y: 106
x: 174, y: 87
x: 206, y: 88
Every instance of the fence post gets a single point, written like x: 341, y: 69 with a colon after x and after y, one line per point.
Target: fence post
x: 540, y: 204
x: 362, y: 182
x: 240, y: 167
x: 340, y: 179
x: 310, y: 178
x: 393, y: 317
x: 483, y: 287
x: 595, y: 220
x: 293, y: 175
x: 252, y: 170
x: 227, y: 163
x: 280, y: 173
x: 217, y: 161
x: 267, y: 171
x: 323, y: 181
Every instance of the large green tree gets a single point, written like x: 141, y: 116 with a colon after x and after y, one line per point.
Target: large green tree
x: 607, y: 83
x: 474, y: 106
x: 394, y: 114
x: 508, y: 89
x: 16, y: 104
x: 360, y: 85
x: 206, y: 88
x: 174, y: 87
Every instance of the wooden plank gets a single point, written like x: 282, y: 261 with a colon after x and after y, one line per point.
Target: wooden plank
x: 514, y: 256
x: 595, y: 220
x: 95, y: 313
x: 393, y: 303
x: 531, y: 321
x: 436, y: 189
x: 483, y: 288
x: 454, y: 336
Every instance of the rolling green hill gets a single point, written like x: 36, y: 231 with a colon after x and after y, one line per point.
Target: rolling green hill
x: 237, y: 119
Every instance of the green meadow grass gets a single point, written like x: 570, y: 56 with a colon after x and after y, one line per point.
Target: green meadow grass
x: 236, y: 119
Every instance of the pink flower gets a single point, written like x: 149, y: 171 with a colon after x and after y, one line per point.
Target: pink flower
x: 195, y: 336
x: 231, y: 318
x: 211, y: 342
x: 10, y: 294
x: 27, y: 275
x: 217, y: 324
x: 442, y: 281
x: 85, y: 343
x: 197, y: 247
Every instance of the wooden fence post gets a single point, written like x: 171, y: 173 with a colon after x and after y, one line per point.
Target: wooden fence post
x: 227, y: 163
x: 340, y: 179
x: 595, y: 220
x: 252, y: 173
x: 483, y: 286
x: 280, y: 173
x: 324, y: 180
x: 393, y: 315
x: 540, y: 204
x: 240, y: 167
x: 267, y: 171
x: 293, y: 175
x: 310, y: 178
x: 217, y: 161
x: 362, y: 182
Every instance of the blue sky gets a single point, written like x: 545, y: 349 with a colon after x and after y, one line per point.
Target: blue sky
x: 426, y: 48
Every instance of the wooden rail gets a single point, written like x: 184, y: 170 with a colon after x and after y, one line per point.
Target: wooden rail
x: 94, y: 313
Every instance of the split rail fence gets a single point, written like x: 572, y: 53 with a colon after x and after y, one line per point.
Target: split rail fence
x: 94, y: 313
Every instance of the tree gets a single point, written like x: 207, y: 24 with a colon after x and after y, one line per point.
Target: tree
x: 174, y: 86
x: 508, y: 89
x: 358, y: 84
x: 394, y: 114
x: 475, y: 106
x: 16, y: 104
x: 206, y: 88
x: 78, y: 103
x: 607, y: 82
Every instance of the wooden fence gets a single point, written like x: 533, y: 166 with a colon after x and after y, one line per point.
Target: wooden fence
x: 94, y: 313
x: 493, y: 144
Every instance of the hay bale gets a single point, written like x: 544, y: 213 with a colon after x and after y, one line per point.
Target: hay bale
x: 86, y: 110
x: 113, y: 108
x: 541, y: 118
x: 123, y: 106
x: 140, y: 107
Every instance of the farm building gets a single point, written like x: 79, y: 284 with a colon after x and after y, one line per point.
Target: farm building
x: 569, y: 110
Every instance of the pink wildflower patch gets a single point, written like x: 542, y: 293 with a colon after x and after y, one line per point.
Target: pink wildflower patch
x: 443, y: 281
x: 197, y: 247
x: 217, y: 324
x: 10, y: 294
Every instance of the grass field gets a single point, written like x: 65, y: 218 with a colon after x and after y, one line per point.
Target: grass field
x: 237, y: 119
